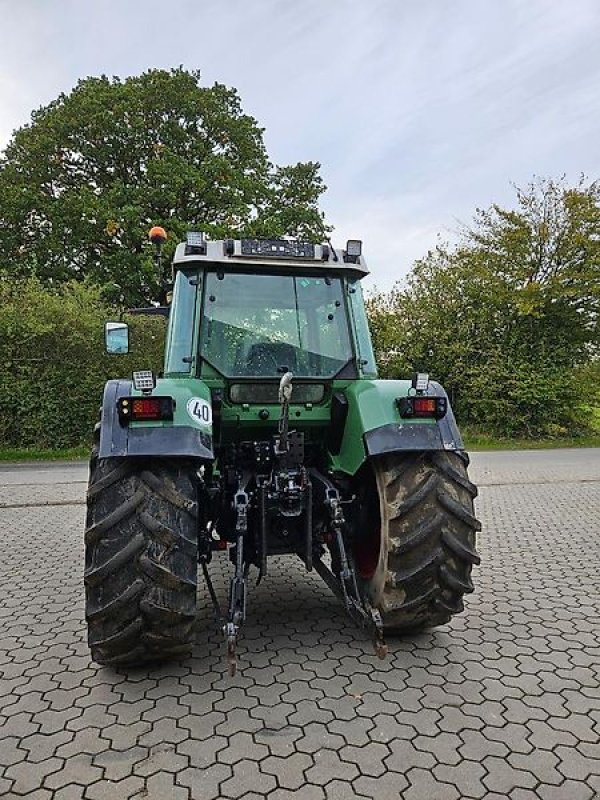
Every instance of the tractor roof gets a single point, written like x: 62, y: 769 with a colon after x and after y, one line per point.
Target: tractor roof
x: 268, y: 254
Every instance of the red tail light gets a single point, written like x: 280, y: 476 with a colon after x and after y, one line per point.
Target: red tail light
x: 140, y: 409
x: 425, y: 405
x: 419, y: 406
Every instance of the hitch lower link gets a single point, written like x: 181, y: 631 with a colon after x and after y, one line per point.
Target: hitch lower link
x: 345, y: 585
x: 236, y: 612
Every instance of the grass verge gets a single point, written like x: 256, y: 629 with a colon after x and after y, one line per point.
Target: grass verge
x: 481, y: 441
x: 31, y: 454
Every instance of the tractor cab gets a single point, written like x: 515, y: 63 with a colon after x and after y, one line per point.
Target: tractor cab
x: 261, y: 308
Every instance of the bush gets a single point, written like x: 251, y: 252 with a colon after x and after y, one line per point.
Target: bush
x: 54, y: 364
x: 507, y: 319
x: 500, y: 380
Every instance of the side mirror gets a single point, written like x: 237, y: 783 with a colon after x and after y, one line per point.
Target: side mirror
x: 116, y: 337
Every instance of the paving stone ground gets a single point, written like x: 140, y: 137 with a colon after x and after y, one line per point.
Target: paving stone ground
x: 503, y: 702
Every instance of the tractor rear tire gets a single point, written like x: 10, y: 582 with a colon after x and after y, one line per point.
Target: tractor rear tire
x: 141, y: 559
x: 417, y: 567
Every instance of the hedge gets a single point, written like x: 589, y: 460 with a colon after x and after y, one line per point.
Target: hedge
x: 54, y: 364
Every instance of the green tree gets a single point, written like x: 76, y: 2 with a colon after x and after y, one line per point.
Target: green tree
x: 508, y: 317
x: 81, y: 185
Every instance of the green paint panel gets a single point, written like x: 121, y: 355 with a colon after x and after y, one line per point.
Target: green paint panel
x: 371, y: 404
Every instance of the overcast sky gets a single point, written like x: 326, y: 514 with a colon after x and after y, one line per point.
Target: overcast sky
x: 418, y: 110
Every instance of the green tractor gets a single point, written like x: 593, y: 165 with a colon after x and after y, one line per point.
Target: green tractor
x: 269, y: 433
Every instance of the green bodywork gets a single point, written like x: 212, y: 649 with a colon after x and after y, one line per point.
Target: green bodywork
x: 192, y: 381
x: 371, y: 404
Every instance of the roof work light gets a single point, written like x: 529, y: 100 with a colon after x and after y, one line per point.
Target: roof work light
x: 353, y: 251
x: 195, y: 244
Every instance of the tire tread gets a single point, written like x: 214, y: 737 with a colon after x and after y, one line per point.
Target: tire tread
x: 428, y: 521
x: 141, y: 559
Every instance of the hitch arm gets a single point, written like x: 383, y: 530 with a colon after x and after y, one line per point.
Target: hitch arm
x: 238, y: 587
x: 345, y: 585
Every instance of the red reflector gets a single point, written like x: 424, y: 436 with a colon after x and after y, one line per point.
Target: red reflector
x: 424, y: 405
x: 147, y: 408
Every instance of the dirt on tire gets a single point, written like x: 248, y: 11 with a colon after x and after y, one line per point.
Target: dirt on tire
x: 426, y: 542
x: 141, y: 559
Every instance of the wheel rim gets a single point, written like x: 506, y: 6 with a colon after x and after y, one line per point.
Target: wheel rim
x: 367, y: 548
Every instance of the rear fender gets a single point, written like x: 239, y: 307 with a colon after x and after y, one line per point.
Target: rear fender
x: 189, y: 435
x: 374, y: 425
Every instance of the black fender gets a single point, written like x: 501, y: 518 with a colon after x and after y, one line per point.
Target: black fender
x: 398, y: 436
x: 116, y: 440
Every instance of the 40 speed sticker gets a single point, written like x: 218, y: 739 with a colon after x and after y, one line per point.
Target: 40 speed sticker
x: 199, y: 410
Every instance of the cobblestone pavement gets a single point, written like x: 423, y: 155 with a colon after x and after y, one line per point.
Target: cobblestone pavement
x: 503, y: 702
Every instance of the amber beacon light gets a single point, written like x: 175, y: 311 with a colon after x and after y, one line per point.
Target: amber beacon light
x: 157, y: 235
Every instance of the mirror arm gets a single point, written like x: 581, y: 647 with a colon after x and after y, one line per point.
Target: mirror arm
x: 152, y: 311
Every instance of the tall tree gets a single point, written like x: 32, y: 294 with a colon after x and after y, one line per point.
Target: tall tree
x: 82, y: 183
x: 505, y: 318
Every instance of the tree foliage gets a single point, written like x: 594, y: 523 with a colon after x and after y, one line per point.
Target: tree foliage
x: 81, y: 185
x: 506, y: 319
